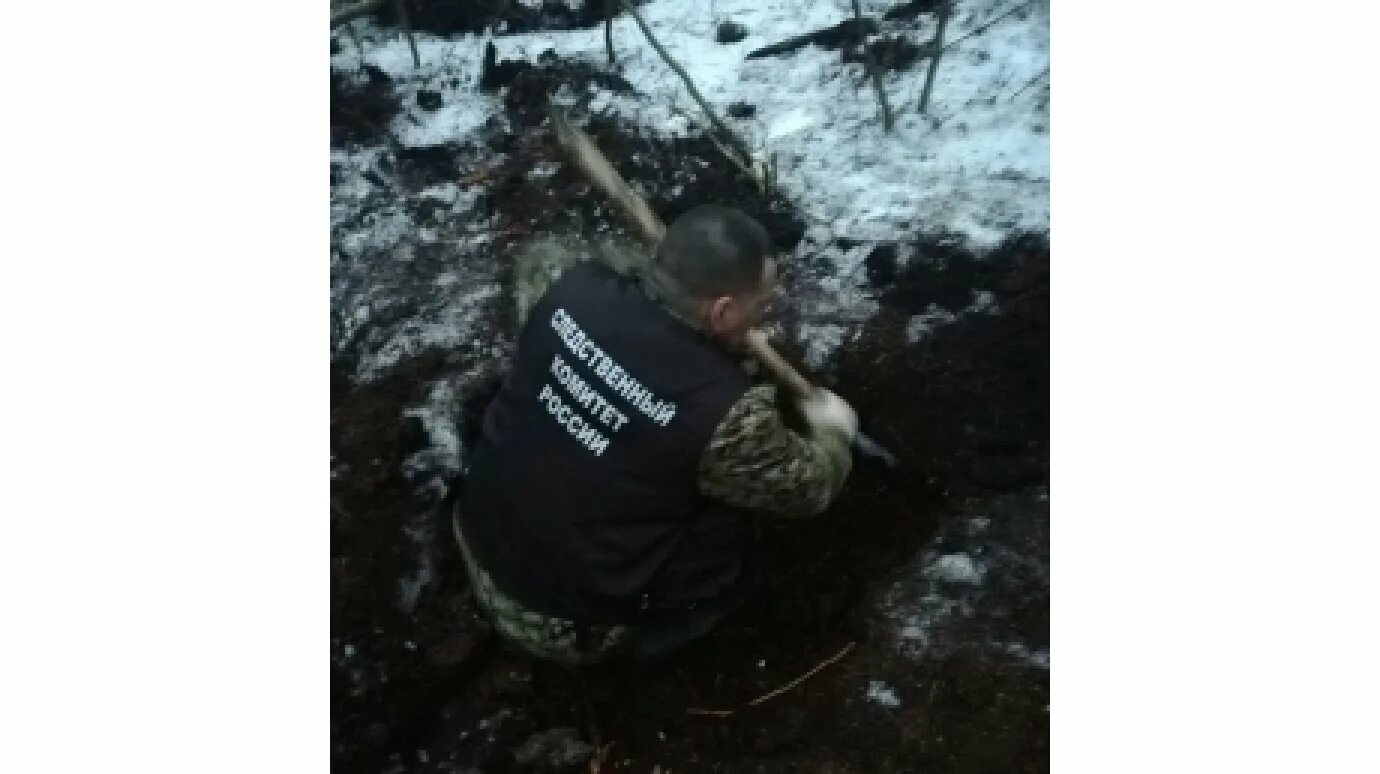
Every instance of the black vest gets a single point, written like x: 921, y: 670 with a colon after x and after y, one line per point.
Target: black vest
x: 581, y: 498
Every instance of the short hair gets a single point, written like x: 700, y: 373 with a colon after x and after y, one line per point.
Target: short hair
x: 714, y: 251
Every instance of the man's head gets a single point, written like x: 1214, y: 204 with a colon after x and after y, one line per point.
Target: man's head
x: 718, y: 265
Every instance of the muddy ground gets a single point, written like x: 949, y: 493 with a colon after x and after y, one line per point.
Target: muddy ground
x: 423, y: 686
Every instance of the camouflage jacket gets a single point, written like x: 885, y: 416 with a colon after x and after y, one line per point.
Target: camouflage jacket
x: 753, y: 460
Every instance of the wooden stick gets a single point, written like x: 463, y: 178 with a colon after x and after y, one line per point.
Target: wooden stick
x: 937, y: 46
x: 1028, y: 84
x: 773, y: 694
x: 738, y: 145
x: 871, y: 66
x: 401, y: 7
x: 826, y: 662
x: 608, y: 28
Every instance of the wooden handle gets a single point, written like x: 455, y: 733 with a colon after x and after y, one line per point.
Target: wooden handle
x: 784, y: 372
x: 598, y: 169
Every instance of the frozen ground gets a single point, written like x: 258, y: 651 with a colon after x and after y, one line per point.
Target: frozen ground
x: 977, y: 164
x: 975, y: 168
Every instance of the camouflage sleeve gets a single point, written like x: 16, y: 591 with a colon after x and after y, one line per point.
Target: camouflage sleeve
x: 537, y: 265
x: 754, y: 461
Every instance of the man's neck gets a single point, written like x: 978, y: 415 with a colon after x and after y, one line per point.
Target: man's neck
x: 654, y: 286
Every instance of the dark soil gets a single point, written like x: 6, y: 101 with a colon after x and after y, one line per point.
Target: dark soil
x: 730, y: 32
x: 740, y: 110
x: 360, y: 112
x: 967, y: 414
x: 889, y: 53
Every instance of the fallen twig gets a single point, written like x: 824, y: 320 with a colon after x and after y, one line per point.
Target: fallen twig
x: 826, y: 662
x: 1029, y: 83
x: 401, y: 7
x: 985, y: 26
x: 873, y: 70
x: 608, y: 28
x: 709, y: 712
x: 738, y: 145
x: 937, y: 46
x: 352, y: 12
x: 773, y: 694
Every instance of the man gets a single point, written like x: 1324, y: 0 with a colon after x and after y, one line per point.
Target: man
x: 605, y: 508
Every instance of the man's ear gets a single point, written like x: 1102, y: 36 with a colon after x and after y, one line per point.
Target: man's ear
x: 719, y: 312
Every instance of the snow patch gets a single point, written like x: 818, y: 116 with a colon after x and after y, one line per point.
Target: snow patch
x: 440, y: 420
x: 923, y: 325
x: 956, y: 568
x: 920, y: 326
x: 965, y: 587
x: 450, y: 327
x: 820, y: 342
x: 878, y: 692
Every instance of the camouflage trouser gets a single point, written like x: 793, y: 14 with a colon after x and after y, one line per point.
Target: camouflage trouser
x: 558, y: 639
x: 572, y: 643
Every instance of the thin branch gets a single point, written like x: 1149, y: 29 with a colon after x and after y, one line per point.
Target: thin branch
x: 1029, y: 83
x: 937, y: 46
x: 401, y: 7
x: 608, y: 29
x: 738, y: 144
x: 359, y: 44
x: 873, y: 70
x: 981, y: 28
x: 350, y: 13
x: 773, y: 694
x: 826, y: 662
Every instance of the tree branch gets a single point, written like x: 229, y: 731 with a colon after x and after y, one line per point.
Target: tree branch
x: 937, y: 46
x: 608, y: 28
x: 401, y: 7
x: 738, y: 145
x: 985, y: 26
x: 1043, y: 73
x: 873, y: 70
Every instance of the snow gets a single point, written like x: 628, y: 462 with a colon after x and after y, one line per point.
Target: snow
x: 439, y: 418
x: 922, y: 325
x: 976, y: 165
x: 879, y: 692
x: 956, y: 568
x: 943, y: 599
x: 820, y: 341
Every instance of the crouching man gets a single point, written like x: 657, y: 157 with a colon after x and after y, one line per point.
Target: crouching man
x: 605, y: 510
